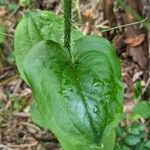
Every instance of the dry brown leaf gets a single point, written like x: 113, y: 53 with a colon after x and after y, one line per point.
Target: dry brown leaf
x: 136, y: 40
x: 90, y: 13
x: 3, y: 11
x: 130, y: 17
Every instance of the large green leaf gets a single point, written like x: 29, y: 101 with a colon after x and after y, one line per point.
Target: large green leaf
x: 37, y: 116
x: 143, y: 109
x: 79, y: 98
x: 35, y: 27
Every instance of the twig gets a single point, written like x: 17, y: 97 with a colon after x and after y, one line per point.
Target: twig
x: 17, y: 87
x: 133, y: 13
x: 8, y: 104
x: 3, y: 146
x: 21, y: 114
x: 9, y: 79
x: 31, y: 125
x: 125, y: 25
x: 22, y: 146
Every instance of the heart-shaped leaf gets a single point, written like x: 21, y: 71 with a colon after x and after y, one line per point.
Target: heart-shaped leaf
x: 79, y: 98
x: 35, y: 27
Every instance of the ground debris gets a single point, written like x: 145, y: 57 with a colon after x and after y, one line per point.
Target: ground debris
x: 17, y: 131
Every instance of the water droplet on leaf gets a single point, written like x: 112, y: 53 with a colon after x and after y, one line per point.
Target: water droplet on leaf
x: 95, y: 84
x: 95, y: 110
x: 92, y: 93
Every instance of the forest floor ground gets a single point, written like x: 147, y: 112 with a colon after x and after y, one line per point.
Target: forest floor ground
x: 132, y: 43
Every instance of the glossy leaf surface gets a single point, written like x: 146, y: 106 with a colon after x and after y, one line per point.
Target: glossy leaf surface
x: 79, y: 98
x: 35, y: 27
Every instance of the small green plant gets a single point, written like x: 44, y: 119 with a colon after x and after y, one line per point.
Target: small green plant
x: 133, y: 137
x: 142, y: 107
x: 136, y: 135
x: 75, y: 79
x: 25, y: 2
x: 133, y: 132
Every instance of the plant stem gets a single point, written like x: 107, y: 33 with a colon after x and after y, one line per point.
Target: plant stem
x: 124, y: 25
x: 67, y: 23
